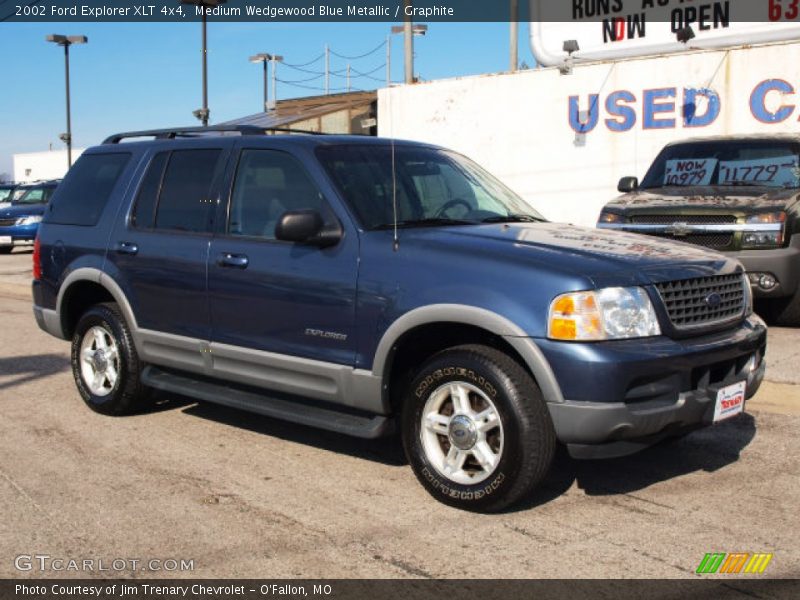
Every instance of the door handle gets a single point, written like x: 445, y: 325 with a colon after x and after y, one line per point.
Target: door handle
x: 234, y: 261
x: 127, y: 248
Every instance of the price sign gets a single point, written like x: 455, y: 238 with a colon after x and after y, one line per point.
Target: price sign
x: 694, y: 171
x: 776, y: 171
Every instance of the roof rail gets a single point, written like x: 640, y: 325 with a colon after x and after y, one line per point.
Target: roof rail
x: 171, y: 134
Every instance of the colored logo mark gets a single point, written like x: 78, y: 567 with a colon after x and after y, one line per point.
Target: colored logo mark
x: 732, y: 564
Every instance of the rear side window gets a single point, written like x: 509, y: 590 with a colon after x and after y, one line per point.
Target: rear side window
x: 83, y: 194
x: 144, y: 212
x: 184, y: 203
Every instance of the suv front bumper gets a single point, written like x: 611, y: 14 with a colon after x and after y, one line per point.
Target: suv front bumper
x: 625, y: 396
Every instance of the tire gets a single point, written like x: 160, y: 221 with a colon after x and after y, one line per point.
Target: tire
x: 785, y: 311
x: 506, y: 416
x: 6, y: 249
x: 102, y: 327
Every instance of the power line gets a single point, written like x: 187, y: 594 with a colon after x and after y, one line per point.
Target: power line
x: 373, y: 51
x: 311, y: 62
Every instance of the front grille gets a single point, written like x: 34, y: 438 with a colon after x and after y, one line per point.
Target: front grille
x: 8, y: 222
x: 691, y: 303
x: 689, y: 219
x: 714, y: 241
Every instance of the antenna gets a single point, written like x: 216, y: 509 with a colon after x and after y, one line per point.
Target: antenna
x: 396, y: 240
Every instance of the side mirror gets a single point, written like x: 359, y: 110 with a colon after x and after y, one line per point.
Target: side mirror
x: 628, y: 184
x: 306, y: 227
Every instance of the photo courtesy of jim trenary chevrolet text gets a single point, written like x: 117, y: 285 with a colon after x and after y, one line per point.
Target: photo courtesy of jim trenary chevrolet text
x: 399, y: 299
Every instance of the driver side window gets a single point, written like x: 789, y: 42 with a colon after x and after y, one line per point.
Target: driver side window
x: 268, y: 184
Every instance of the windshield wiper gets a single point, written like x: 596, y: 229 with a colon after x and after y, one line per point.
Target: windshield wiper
x: 744, y: 184
x: 514, y: 219
x: 432, y: 222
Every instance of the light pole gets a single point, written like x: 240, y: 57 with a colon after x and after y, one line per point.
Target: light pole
x: 66, y: 41
x: 264, y: 59
x: 275, y: 59
x: 409, y: 30
x: 203, y: 113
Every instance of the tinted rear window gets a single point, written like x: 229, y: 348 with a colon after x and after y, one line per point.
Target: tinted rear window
x: 83, y: 194
x: 184, y: 204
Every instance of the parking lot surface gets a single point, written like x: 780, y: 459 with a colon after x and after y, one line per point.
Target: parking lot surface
x: 246, y: 496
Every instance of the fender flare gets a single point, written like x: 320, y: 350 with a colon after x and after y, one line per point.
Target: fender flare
x: 477, y: 317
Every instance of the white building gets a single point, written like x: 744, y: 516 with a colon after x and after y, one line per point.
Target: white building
x: 38, y: 166
x: 563, y: 141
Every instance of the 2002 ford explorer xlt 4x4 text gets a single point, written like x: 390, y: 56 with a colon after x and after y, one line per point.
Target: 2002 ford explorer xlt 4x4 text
x: 355, y: 284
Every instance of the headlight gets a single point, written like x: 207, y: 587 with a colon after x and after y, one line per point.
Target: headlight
x: 609, y: 217
x: 609, y: 314
x: 29, y: 220
x: 748, y: 295
x: 770, y: 236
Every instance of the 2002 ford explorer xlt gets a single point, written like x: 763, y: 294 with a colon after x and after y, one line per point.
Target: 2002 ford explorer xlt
x: 358, y: 284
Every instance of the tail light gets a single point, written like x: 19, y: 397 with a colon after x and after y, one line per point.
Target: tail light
x: 37, y: 259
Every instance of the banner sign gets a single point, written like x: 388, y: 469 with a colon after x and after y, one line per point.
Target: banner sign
x: 615, y: 29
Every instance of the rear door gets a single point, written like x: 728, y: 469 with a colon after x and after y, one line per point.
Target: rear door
x: 269, y: 296
x: 159, y: 253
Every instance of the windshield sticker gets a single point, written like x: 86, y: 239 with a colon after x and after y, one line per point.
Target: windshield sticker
x: 695, y: 171
x: 776, y: 171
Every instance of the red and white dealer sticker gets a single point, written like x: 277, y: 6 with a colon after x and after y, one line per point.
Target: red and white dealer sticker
x: 730, y: 401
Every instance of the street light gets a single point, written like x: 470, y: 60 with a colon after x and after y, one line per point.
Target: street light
x: 203, y: 113
x: 263, y: 58
x: 409, y: 30
x: 66, y: 41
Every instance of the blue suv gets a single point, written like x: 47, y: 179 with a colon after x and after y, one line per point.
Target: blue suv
x: 364, y: 285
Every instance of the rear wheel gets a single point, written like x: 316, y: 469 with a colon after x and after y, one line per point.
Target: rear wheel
x: 6, y: 249
x: 105, y: 365
x: 476, y: 429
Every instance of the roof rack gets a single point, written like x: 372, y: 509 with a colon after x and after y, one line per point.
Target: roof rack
x: 188, y: 132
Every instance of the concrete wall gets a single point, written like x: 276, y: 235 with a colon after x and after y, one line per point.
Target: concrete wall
x: 37, y: 166
x: 525, y: 127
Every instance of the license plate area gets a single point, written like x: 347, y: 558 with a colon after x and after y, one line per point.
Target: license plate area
x: 730, y: 401
x: 5, y: 240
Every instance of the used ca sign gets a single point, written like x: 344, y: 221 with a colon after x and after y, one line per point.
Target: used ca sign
x: 771, y: 101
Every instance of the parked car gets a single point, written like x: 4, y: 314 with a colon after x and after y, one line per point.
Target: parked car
x: 19, y: 221
x: 6, y: 194
x: 361, y: 285
x: 737, y: 195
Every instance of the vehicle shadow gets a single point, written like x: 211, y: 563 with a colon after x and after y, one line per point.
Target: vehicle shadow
x: 708, y: 450
x: 31, y: 367
x: 387, y: 451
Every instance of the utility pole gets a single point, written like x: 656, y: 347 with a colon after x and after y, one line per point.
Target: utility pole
x: 348, y: 77
x: 408, y: 35
x: 514, y: 50
x: 264, y: 59
x: 204, y: 114
x: 327, y: 69
x: 388, y: 61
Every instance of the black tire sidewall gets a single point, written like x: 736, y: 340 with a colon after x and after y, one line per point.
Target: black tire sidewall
x: 461, y: 366
x: 111, y: 403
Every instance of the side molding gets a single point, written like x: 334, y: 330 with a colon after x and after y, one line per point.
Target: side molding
x: 477, y: 317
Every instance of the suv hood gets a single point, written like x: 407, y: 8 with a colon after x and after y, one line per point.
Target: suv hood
x: 607, y: 258
x: 685, y: 199
x: 22, y: 210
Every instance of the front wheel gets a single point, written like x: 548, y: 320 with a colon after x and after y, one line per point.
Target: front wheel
x: 785, y: 311
x: 476, y: 429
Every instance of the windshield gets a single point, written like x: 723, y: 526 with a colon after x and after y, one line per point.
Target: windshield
x: 730, y: 163
x: 5, y: 193
x: 36, y: 195
x: 434, y: 187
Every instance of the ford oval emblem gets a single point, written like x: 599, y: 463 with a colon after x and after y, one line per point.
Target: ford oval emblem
x: 713, y: 300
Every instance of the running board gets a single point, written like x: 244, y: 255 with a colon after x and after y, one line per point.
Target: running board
x: 303, y: 412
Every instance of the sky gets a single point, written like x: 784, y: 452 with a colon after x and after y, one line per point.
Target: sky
x: 139, y: 75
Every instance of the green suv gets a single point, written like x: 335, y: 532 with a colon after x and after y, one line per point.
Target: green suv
x: 737, y: 195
